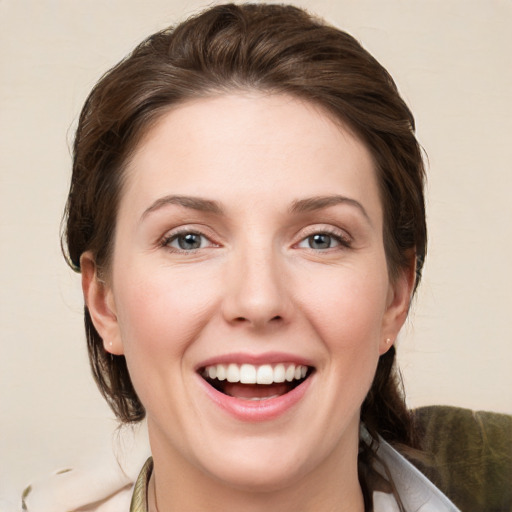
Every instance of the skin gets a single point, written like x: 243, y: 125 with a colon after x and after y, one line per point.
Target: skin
x: 255, y: 285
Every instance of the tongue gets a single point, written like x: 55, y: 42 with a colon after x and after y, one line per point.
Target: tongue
x: 247, y: 391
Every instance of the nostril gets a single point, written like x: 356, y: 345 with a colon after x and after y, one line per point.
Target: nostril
x: 258, y: 322
x: 240, y: 319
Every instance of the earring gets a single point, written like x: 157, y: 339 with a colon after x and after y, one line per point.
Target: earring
x: 388, y: 341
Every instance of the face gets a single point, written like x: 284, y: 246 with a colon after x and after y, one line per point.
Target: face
x: 249, y: 247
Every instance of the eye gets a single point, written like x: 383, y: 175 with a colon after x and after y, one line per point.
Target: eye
x: 322, y: 241
x: 187, y: 241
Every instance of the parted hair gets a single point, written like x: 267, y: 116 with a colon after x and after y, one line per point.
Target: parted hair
x: 270, y: 48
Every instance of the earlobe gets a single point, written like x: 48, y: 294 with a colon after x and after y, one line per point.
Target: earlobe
x: 385, y: 345
x: 399, y: 301
x: 100, y: 304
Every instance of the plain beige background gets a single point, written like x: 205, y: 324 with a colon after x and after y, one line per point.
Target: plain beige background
x: 452, y: 61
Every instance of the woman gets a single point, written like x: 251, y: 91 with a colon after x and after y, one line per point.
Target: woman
x: 247, y: 213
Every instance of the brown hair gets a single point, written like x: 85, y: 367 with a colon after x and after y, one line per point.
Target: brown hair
x: 272, y: 48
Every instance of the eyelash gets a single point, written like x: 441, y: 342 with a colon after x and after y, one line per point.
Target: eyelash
x: 168, y: 239
x: 342, y: 240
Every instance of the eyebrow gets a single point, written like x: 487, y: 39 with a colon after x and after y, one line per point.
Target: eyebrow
x: 317, y: 203
x: 299, y: 206
x: 194, y: 203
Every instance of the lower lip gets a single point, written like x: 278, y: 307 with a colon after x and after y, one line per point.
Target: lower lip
x: 257, y: 410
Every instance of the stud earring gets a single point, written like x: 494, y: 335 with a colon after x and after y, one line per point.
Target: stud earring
x: 388, y: 341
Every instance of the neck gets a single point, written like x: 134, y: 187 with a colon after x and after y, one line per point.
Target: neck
x: 331, y: 487
x: 169, y: 496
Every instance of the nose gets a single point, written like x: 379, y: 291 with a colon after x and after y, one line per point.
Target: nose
x: 256, y: 291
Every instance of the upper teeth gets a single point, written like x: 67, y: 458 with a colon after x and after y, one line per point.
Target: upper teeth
x: 251, y: 374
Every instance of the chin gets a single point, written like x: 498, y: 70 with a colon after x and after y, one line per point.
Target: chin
x: 259, y: 476
x: 261, y: 464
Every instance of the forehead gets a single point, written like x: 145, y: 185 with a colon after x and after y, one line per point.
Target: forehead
x: 249, y: 144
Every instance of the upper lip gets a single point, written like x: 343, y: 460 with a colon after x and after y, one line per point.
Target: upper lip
x: 254, y: 359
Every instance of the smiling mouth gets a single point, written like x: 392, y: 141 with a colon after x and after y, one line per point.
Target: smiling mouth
x: 255, y: 382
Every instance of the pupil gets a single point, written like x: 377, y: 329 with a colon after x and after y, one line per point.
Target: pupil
x: 189, y: 241
x: 320, y: 241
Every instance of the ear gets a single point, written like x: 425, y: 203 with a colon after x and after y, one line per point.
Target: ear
x: 99, y: 300
x: 398, y: 302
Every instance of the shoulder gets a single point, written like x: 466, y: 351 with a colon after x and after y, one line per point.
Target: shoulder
x: 471, y: 455
x: 471, y: 461
x: 92, y: 490
x: 104, y: 484
x: 416, y: 491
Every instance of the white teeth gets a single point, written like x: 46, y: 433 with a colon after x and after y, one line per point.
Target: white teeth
x: 280, y: 372
x: 265, y: 374
x: 247, y: 374
x: 233, y: 373
x: 259, y: 399
x: 251, y: 374
x: 221, y: 372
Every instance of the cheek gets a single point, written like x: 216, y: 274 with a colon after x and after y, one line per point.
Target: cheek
x: 347, y: 308
x: 162, y: 312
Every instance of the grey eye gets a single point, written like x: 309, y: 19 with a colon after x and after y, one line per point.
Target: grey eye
x: 188, y: 241
x: 321, y: 241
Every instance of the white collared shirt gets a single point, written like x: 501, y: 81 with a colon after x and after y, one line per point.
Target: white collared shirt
x: 417, y: 492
